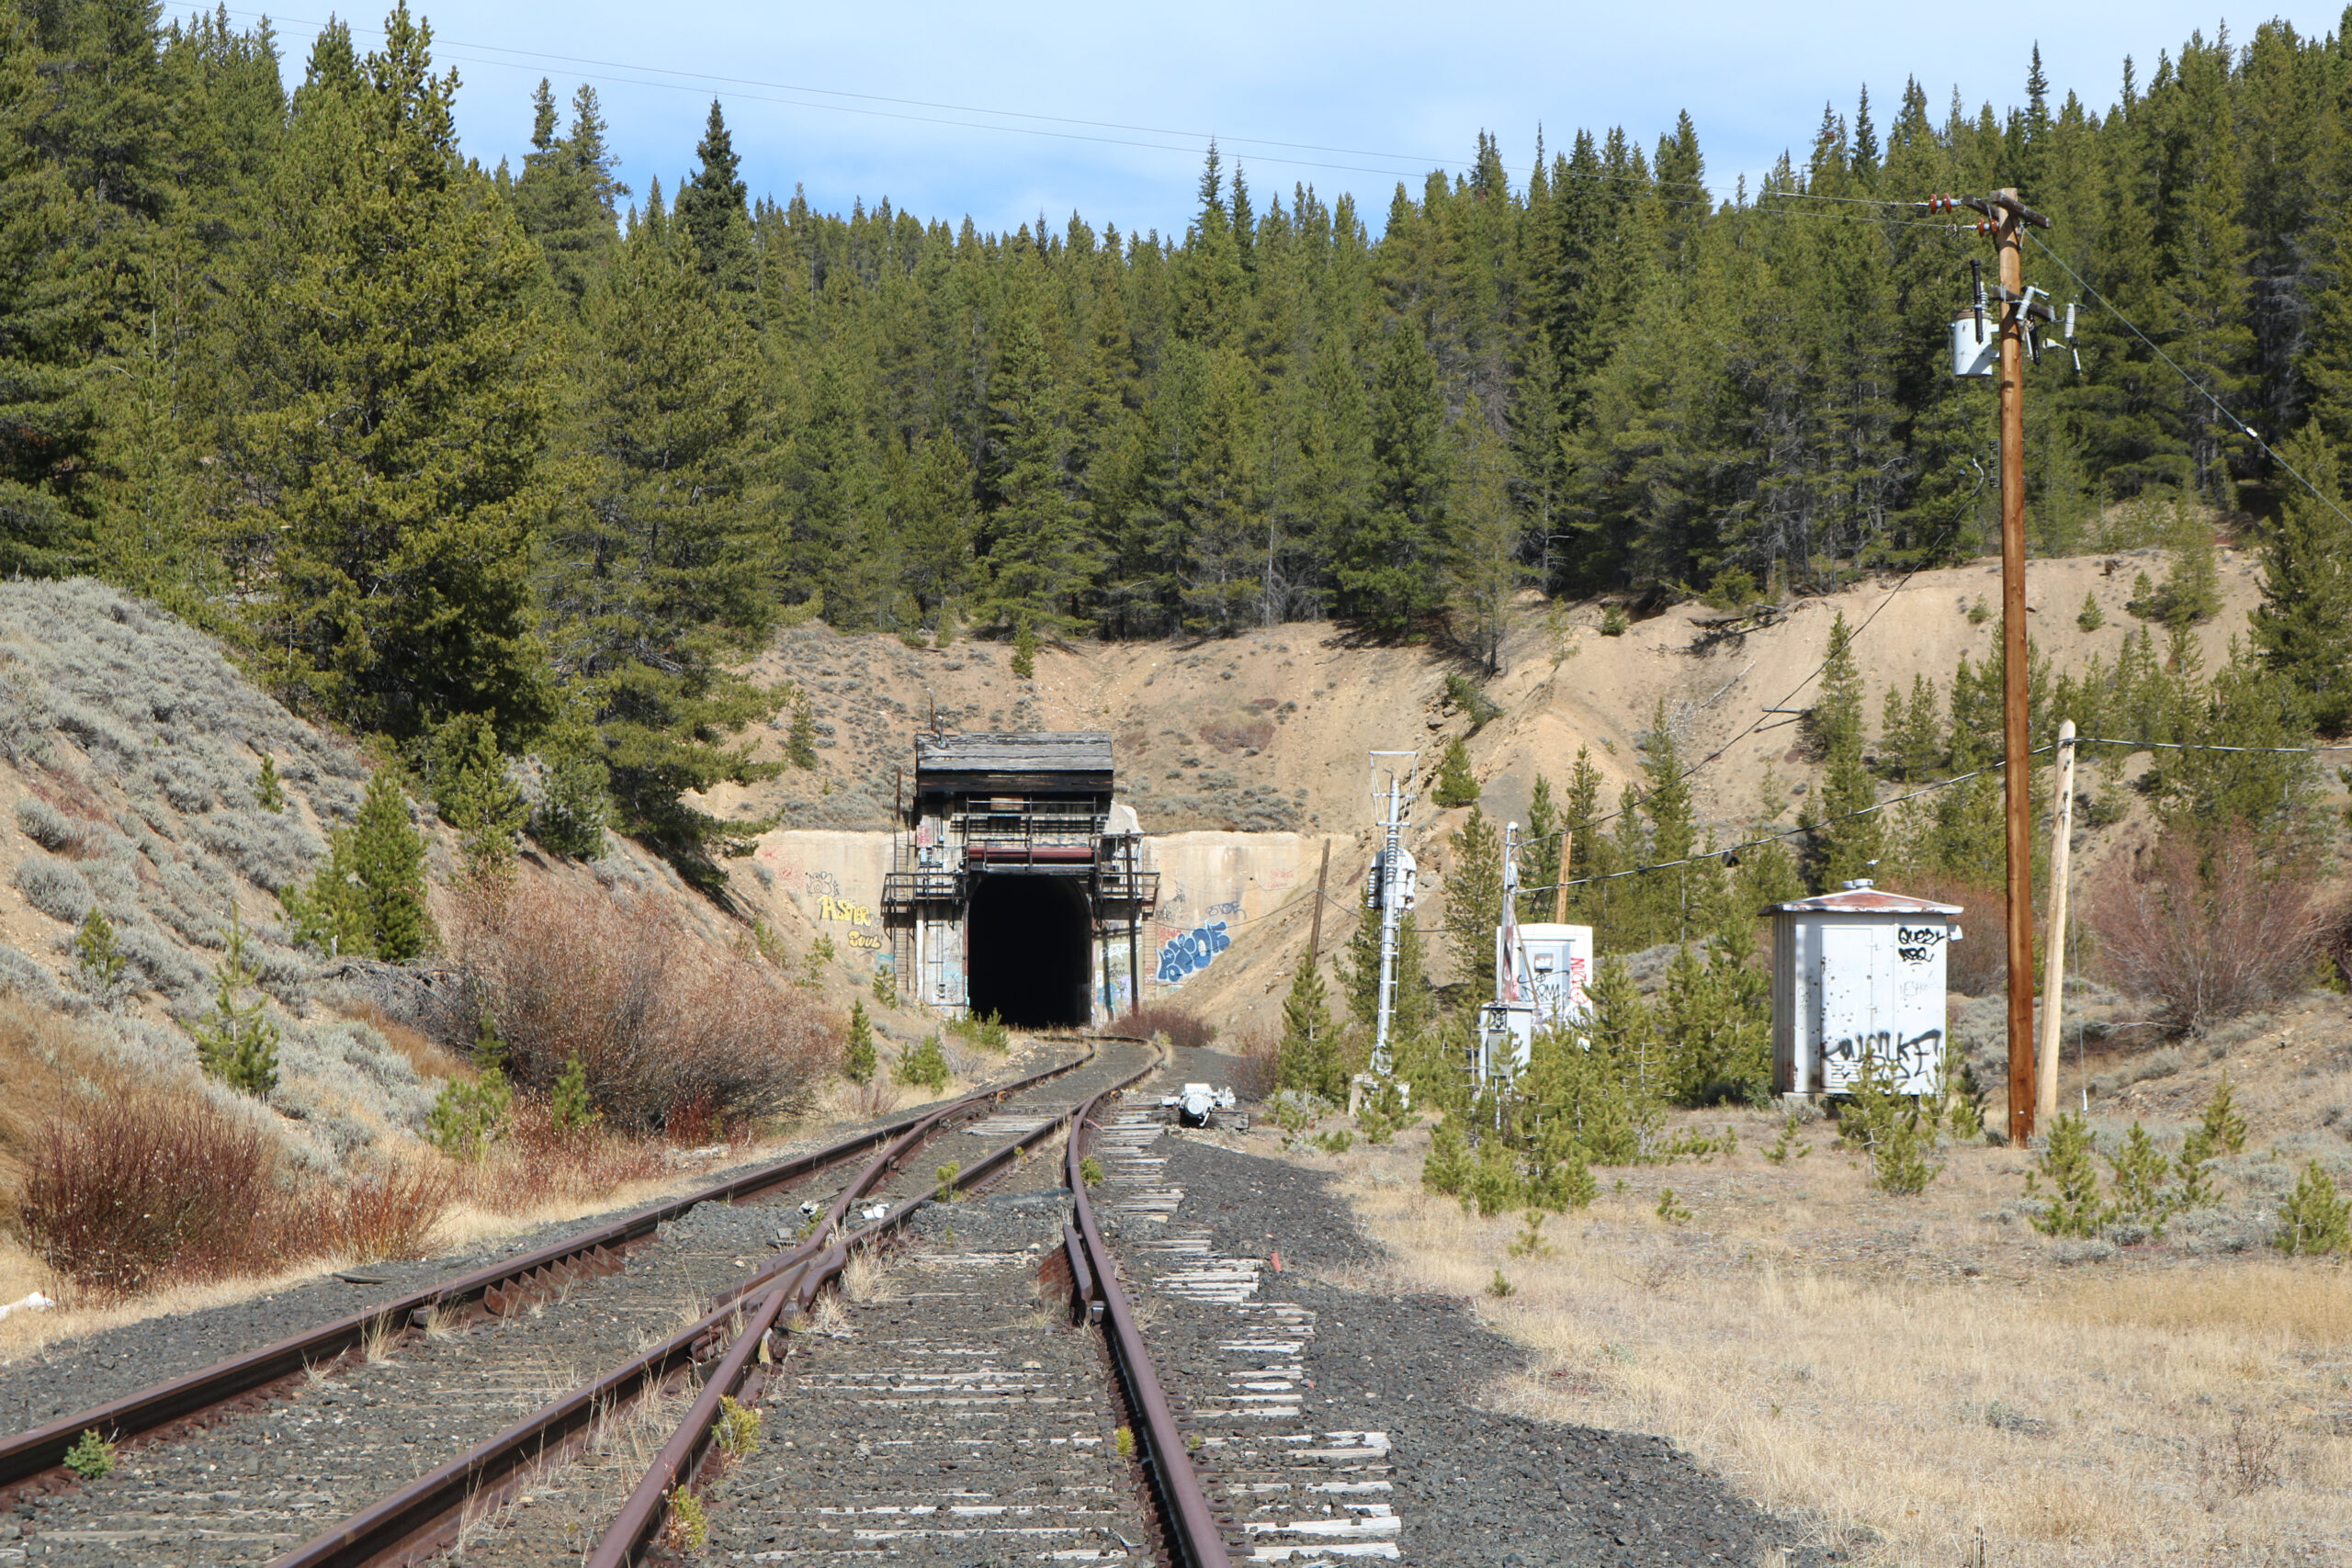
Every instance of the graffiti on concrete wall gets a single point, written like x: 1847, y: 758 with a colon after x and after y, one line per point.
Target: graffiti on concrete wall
x: 1191, y: 951
x: 830, y: 907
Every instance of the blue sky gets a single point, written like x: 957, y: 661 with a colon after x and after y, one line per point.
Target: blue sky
x: 1412, y: 84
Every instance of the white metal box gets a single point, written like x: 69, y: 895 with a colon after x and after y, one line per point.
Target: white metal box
x: 1860, y: 974
x: 1976, y: 344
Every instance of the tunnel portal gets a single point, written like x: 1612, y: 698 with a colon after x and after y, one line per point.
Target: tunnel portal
x: 1015, y: 886
x: 1031, y: 961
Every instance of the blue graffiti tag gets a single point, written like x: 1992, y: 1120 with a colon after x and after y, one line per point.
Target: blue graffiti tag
x: 1180, y: 956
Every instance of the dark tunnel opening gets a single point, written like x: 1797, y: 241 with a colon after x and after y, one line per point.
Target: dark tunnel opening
x: 1031, y: 955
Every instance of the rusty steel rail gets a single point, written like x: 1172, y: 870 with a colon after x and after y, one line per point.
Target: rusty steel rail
x: 1184, y: 1503
x: 585, y: 1254
x: 422, y: 1518
x: 639, y: 1522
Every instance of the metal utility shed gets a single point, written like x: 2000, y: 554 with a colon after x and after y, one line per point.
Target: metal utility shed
x: 1858, y: 973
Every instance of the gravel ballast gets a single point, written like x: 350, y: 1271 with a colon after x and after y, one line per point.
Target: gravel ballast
x: 1275, y: 1365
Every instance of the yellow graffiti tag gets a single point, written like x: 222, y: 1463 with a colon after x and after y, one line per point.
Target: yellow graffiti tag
x: 831, y: 909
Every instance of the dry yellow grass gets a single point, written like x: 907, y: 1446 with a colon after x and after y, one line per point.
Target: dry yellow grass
x: 2195, y: 1412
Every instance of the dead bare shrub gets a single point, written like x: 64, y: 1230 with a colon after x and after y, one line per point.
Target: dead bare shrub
x: 143, y: 1187
x: 387, y: 1213
x: 1183, y: 1026
x: 666, y: 1025
x: 2202, y: 938
x: 538, y: 1168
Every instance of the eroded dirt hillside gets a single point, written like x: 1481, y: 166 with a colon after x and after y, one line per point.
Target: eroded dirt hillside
x: 1271, y: 729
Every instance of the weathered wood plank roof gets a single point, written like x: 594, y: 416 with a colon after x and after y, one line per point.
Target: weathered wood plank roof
x: 1073, y: 751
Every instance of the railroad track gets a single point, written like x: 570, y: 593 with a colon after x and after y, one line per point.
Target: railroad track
x: 498, y: 1440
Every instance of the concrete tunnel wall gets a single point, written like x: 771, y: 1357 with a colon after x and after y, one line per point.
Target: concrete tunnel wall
x: 1213, y: 887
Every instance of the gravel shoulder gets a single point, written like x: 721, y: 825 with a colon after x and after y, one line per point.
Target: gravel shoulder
x: 1401, y: 1375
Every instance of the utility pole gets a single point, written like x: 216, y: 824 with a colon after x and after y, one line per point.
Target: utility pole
x: 2005, y: 215
x: 1393, y: 891
x: 1315, y: 931
x: 2053, y: 974
x: 1560, y: 879
x: 2017, y: 778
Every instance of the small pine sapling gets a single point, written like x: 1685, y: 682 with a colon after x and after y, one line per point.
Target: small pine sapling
x: 2316, y: 1220
x: 2091, y: 616
x: 1089, y: 1170
x: 800, y: 741
x: 886, y: 986
x: 922, y: 1065
x: 570, y: 1107
x: 947, y: 1174
x: 737, y: 1428
x: 1613, y: 621
x: 2223, y: 1128
x: 2137, y: 1177
x: 1447, y: 1165
x: 1456, y: 784
x: 1670, y: 1209
x: 1890, y: 1130
x: 467, y: 1118
x: 2071, y: 1205
x: 1499, y: 1287
x: 268, y: 793
x: 1024, y: 650
x: 98, y: 963
x: 1337, y: 1141
x: 1787, y: 1146
x: 572, y: 809
x: 235, y: 1042
x: 1495, y: 1185
x: 1530, y: 1242
x: 1979, y: 612
x: 2194, y: 1170
x: 858, y: 1061
x: 91, y: 1457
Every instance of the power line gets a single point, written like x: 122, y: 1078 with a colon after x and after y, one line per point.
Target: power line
x: 696, y: 82
x: 1928, y: 789
x: 2194, y: 385
x: 1815, y: 827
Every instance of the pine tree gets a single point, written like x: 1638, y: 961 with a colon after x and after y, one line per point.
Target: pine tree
x: 99, y: 965
x: 2072, y: 1206
x: 571, y: 1107
x: 710, y: 208
x: 477, y: 797
x: 1031, y: 541
x: 1485, y: 572
x: 235, y: 1042
x: 1851, y: 844
x: 399, y: 403
x: 1473, y: 902
x: 656, y: 578
x: 1308, y: 1058
x: 42, y: 313
x: 1386, y: 562
x: 1455, y: 785
x: 367, y: 901
x: 857, y: 1060
x: 2302, y: 628
x: 1540, y: 858
x: 565, y: 198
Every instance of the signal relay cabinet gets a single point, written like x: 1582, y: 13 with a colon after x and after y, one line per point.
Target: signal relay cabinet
x: 1860, y: 974
x: 1541, y: 971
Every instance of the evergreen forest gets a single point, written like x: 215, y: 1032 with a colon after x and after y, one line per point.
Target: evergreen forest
x: 548, y: 451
